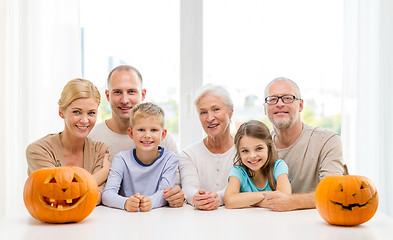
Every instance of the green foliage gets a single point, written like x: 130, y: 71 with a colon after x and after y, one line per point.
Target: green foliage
x: 172, y: 123
x: 332, y: 122
x: 171, y: 108
x: 104, y: 111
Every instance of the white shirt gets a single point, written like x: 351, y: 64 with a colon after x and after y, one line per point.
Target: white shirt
x: 201, y: 169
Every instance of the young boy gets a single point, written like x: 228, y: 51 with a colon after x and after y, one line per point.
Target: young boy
x: 139, y: 176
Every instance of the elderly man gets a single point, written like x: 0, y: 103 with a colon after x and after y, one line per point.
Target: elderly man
x: 311, y: 153
x: 124, y: 91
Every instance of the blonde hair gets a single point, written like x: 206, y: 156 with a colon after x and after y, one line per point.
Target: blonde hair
x: 76, y: 89
x: 147, y: 110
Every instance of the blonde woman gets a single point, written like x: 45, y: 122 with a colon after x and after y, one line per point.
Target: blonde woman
x: 78, y: 106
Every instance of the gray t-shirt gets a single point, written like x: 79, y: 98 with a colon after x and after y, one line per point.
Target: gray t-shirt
x: 316, y: 154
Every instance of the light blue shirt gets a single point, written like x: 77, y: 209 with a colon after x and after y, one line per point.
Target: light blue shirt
x: 280, y: 167
x: 129, y: 176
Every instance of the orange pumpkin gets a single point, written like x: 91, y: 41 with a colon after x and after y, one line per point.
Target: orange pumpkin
x: 346, y: 199
x: 61, y: 194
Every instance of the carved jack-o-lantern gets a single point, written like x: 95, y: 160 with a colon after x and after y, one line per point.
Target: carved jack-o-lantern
x: 346, y: 199
x: 60, y: 195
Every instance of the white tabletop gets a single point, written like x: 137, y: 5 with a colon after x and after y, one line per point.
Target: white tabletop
x: 188, y: 223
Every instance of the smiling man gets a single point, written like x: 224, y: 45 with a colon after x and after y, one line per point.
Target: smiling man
x: 311, y: 153
x: 124, y: 91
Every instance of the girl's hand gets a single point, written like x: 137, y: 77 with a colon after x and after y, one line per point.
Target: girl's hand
x: 132, y: 203
x: 145, y: 204
x: 261, y: 203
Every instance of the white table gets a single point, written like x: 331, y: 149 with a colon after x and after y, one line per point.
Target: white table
x: 187, y: 223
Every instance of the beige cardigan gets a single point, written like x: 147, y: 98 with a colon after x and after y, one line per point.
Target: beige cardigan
x: 46, y: 151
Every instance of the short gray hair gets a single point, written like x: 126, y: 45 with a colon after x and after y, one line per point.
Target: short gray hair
x: 215, y: 90
x: 279, y: 79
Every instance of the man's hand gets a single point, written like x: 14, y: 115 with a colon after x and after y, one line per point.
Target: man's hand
x: 174, y: 196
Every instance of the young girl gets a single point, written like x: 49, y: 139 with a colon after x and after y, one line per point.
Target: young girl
x: 256, y: 168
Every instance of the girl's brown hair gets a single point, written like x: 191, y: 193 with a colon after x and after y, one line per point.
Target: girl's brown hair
x: 258, y: 130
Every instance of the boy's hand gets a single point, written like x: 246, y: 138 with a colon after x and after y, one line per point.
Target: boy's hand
x: 174, y: 196
x: 145, y: 204
x: 132, y: 203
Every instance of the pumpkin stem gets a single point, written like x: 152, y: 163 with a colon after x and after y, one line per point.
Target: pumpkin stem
x: 346, y: 169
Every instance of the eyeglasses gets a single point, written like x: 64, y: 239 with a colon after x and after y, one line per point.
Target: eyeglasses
x: 285, y: 99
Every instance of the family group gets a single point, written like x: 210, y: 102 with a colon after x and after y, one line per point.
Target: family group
x: 138, y: 167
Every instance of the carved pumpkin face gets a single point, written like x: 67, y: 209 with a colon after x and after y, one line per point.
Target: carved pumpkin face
x: 346, y: 200
x: 59, y: 195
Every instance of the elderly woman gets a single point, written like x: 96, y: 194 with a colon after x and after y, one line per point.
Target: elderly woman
x: 78, y: 107
x: 205, y: 165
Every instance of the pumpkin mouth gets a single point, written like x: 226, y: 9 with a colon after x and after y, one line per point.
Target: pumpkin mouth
x: 351, y: 206
x: 61, y: 204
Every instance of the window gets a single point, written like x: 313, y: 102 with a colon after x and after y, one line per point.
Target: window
x: 143, y: 34
x: 252, y: 42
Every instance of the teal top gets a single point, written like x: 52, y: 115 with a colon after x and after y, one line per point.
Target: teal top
x: 280, y: 167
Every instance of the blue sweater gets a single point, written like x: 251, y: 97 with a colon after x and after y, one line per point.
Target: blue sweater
x: 129, y: 176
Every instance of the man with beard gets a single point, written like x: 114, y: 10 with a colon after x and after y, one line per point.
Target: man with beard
x: 311, y: 153
x: 124, y: 91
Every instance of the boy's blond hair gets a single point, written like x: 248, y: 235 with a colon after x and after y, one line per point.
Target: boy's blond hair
x: 147, y: 110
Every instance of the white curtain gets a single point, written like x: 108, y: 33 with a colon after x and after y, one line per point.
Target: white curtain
x: 40, y: 51
x: 367, y: 94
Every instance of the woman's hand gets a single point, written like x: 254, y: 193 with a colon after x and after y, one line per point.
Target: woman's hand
x: 106, y: 164
x: 102, y: 174
x: 207, y: 201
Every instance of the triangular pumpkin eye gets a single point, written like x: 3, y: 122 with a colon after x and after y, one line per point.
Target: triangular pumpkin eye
x: 50, y: 179
x: 363, y: 185
x: 339, y: 188
x: 76, y: 178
